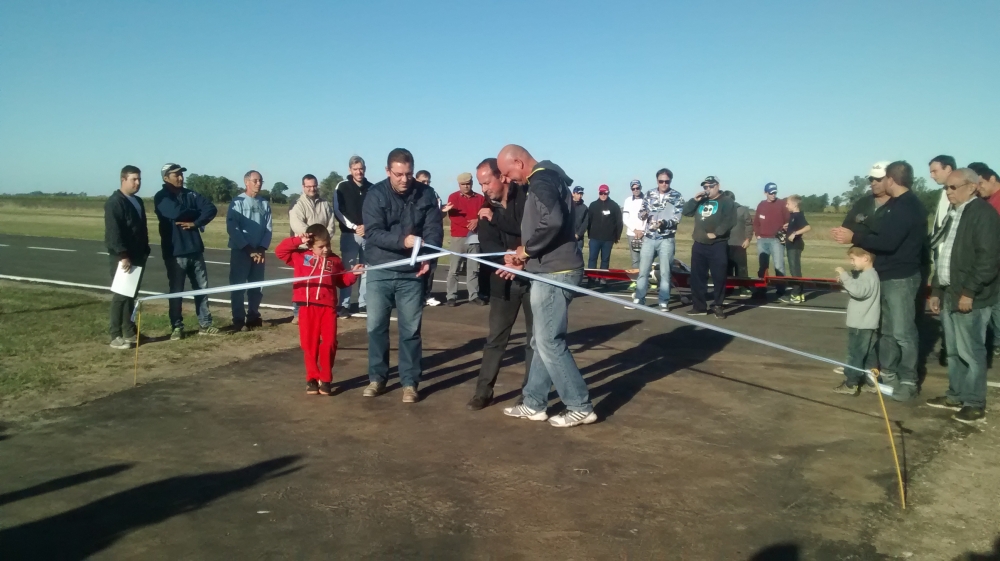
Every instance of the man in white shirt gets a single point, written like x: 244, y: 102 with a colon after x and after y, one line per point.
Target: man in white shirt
x: 634, y: 226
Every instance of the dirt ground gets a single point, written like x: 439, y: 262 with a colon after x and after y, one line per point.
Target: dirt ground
x: 708, y: 448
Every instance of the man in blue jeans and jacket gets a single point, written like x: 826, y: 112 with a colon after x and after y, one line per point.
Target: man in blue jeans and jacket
x: 899, y: 249
x: 248, y: 222
x: 182, y: 214
x: 549, y: 250
x: 397, y: 211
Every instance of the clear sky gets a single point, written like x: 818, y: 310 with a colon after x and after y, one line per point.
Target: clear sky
x: 803, y: 93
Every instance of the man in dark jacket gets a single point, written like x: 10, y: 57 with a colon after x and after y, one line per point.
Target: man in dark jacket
x: 604, y: 228
x: 549, y: 251
x: 500, y: 230
x: 714, y: 218
x: 965, y: 289
x: 348, y: 200
x: 397, y: 211
x: 581, y: 218
x: 182, y: 215
x: 862, y: 218
x: 127, y: 240
x: 898, y: 246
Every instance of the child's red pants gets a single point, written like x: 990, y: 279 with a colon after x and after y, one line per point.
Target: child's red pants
x: 318, y: 339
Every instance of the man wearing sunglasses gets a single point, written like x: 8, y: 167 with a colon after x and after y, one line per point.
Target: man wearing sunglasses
x: 771, y: 216
x: 714, y: 218
x: 635, y: 227
x: 660, y: 213
x: 863, y: 216
x: 898, y: 246
x: 964, y: 290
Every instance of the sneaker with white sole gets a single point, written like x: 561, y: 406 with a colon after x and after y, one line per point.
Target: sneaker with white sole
x: 209, y: 330
x: 433, y: 301
x: 177, y: 334
x: 664, y: 307
x: 524, y: 412
x: 120, y: 344
x: 572, y: 419
x: 839, y: 370
x: 361, y: 313
x: 374, y: 389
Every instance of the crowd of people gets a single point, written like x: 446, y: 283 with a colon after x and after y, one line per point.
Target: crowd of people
x: 532, y: 210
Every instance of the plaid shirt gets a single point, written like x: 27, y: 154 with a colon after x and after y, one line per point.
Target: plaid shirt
x: 944, y: 253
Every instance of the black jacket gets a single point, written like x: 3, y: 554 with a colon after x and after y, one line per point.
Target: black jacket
x: 975, y: 257
x: 716, y: 216
x: 503, y: 231
x: 604, y: 222
x: 581, y: 219
x: 389, y: 217
x: 899, y: 245
x: 125, y: 231
x: 863, y: 217
x: 351, y: 200
x: 547, y: 226
x: 184, y: 206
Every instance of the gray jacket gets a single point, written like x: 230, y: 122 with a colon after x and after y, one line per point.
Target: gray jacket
x: 743, y: 230
x: 716, y: 216
x: 865, y: 292
x: 547, y: 228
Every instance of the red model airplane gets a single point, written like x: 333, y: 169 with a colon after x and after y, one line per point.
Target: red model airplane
x: 680, y: 275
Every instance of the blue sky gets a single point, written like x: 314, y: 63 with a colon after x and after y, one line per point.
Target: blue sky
x: 806, y: 94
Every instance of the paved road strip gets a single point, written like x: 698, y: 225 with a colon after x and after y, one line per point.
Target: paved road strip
x: 50, y: 248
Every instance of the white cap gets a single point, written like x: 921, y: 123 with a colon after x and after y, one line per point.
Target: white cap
x: 878, y: 170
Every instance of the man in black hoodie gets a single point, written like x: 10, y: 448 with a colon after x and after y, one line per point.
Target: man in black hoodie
x: 500, y: 230
x: 127, y: 240
x: 604, y: 228
x: 714, y: 218
x: 580, y: 217
x: 549, y: 251
x: 348, y: 200
x: 899, y: 248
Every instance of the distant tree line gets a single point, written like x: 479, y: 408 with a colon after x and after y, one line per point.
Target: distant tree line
x: 859, y: 187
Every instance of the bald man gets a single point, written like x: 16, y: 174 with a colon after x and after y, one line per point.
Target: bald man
x: 549, y: 251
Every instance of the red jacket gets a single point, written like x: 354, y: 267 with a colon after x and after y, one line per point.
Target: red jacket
x: 321, y: 291
x: 463, y: 210
x: 769, y: 218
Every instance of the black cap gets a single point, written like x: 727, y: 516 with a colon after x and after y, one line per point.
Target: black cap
x: 710, y: 180
x: 167, y: 169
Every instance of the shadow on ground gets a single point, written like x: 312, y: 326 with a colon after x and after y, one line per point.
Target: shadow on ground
x: 63, y: 483
x: 86, y: 530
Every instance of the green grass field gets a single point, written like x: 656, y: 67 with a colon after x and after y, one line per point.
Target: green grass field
x: 83, y: 218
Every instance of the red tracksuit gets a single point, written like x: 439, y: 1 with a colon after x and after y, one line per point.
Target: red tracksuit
x: 317, y: 300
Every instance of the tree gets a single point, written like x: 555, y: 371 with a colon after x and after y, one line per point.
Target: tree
x: 215, y: 189
x: 836, y: 202
x: 266, y: 195
x: 928, y: 197
x: 278, y: 193
x: 293, y: 199
x: 327, y: 186
x: 814, y: 203
x: 858, y: 188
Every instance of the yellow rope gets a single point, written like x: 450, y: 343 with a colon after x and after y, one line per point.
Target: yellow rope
x: 892, y: 440
x: 138, y: 336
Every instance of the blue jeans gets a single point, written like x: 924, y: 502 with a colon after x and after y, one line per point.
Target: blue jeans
x: 552, y: 363
x: 602, y: 248
x: 775, y: 251
x: 966, y: 336
x: 633, y: 254
x: 242, y: 269
x: 860, y: 344
x: 651, y: 249
x: 405, y: 292
x: 352, y: 252
x: 191, y: 267
x: 898, y: 341
x: 995, y: 324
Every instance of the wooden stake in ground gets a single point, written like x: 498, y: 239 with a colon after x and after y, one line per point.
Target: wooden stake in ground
x: 138, y: 338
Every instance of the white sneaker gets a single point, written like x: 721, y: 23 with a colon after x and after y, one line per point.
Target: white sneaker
x: 524, y: 412
x: 433, y: 302
x: 664, y: 307
x: 839, y: 370
x: 573, y: 418
x: 120, y: 344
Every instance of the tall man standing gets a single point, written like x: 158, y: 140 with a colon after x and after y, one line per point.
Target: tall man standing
x: 964, y: 291
x: 348, y: 199
x: 660, y: 212
x: 127, y: 240
x: 898, y: 246
x: 635, y: 227
x: 940, y: 169
x: 989, y: 190
x: 550, y: 252
x: 500, y: 230
x: 604, y: 228
x: 581, y: 218
x: 463, y: 214
x: 310, y: 209
x: 714, y: 218
x: 771, y: 216
x: 248, y: 222
x: 182, y: 214
x: 397, y: 211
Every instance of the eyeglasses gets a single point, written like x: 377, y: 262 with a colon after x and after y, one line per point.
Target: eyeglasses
x: 637, y: 188
x: 663, y: 181
x: 955, y: 187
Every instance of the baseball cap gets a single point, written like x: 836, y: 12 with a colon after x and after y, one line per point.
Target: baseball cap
x: 578, y: 189
x: 635, y: 183
x: 878, y: 170
x: 167, y: 169
x: 603, y: 189
x: 465, y: 177
x: 771, y: 189
x: 710, y: 180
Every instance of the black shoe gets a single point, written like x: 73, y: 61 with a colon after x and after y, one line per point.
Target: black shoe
x: 696, y: 312
x: 478, y: 301
x: 343, y: 313
x: 325, y: 389
x: 970, y: 415
x: 720, y: 312
x: 312, y: 387
x: 255, y: 323
x: 451, y: 303
x: 943, y: 358
x: 847, y: 389
x: 945, y: 402
x: 479, y: 402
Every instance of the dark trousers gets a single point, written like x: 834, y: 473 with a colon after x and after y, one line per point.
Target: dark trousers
x: 429, y: 279
x: 507, y: 298
x: 121, y: 306
x: 860, y: 351
x: 604, y: 249
x: 707, y: 258
x: 793, y: 256
x: 737, y: 261
x: 486, y: 274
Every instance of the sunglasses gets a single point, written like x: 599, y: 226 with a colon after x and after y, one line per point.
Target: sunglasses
x: 955, y: 187
x: 663, y: 181
x: 636, y: 189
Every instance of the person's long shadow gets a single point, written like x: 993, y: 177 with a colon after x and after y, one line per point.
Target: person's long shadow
x: 988, y: 556
x: 655, y: 358
x: 778, y: 552
x: 63, y: 482
x: 86, y: 530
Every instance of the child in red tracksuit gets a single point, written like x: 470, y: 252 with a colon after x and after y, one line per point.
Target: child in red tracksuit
x: 317, y: 300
